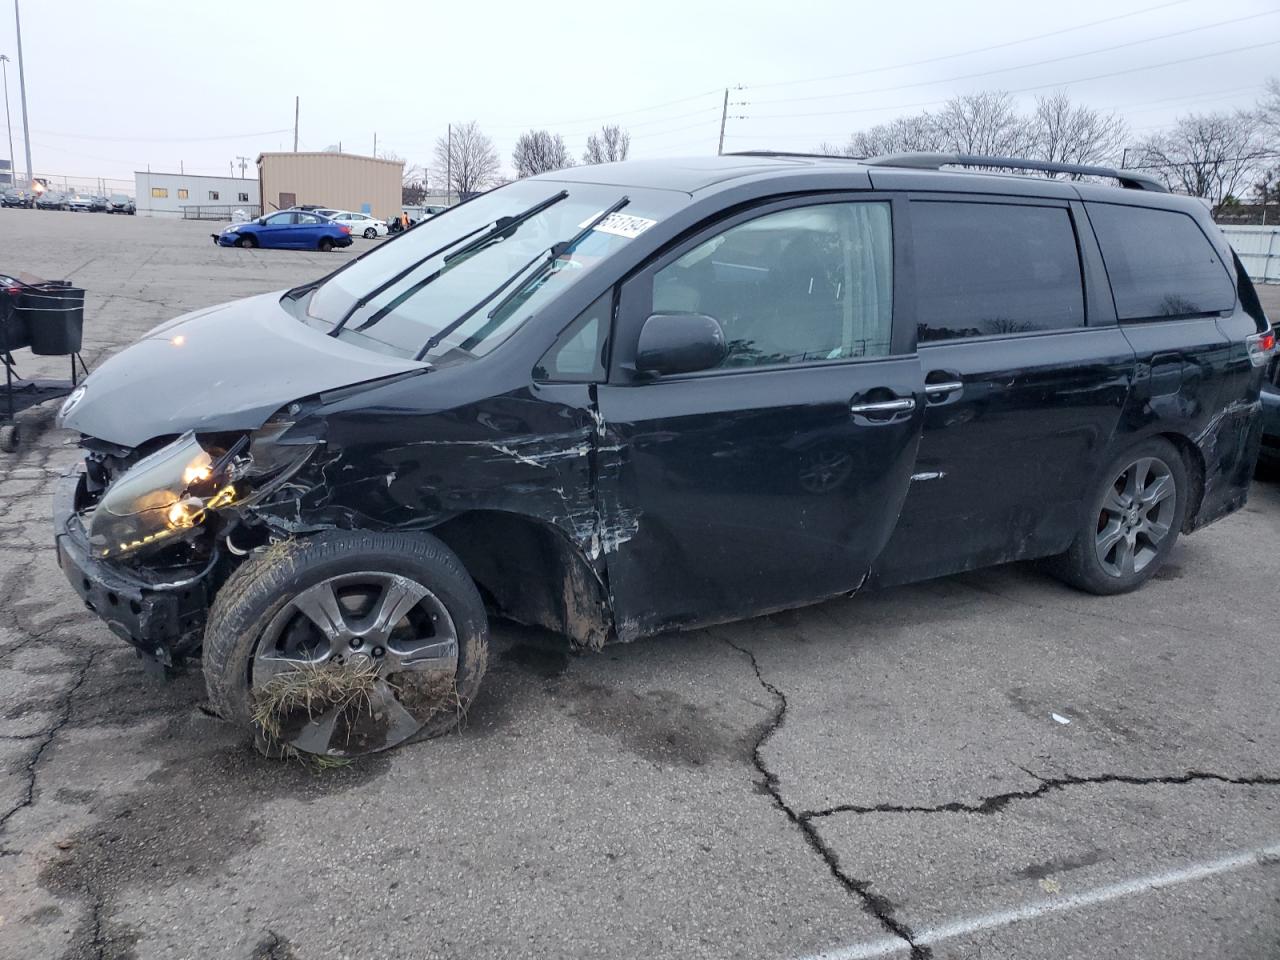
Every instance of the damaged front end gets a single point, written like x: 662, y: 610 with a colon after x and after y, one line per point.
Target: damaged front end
x: 147, y: 535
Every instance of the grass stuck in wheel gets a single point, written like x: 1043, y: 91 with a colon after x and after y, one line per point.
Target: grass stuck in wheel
x: 310, y: 690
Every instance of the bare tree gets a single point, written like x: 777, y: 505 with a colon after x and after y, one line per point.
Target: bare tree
x: 612, y: 143
x: 1269, y: 113
x: 901, y: 135
x: 987, y: 124
x: 538, y: 151
x: 1210, y: 155
x: 1066, y: 132
x: 471, y: 163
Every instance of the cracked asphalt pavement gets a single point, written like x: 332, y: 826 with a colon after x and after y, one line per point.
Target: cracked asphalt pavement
x: 875, y: 776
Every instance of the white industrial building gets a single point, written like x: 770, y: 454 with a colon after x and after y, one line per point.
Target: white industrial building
x: 195, y: 197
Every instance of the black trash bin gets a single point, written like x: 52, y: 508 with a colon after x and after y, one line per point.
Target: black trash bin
x: 13, y: 325
x: 53, y: 314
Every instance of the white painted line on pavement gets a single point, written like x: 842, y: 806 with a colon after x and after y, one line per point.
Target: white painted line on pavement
x: 887, y: 946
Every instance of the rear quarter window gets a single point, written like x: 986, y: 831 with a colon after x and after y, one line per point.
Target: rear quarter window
x: 1160, y: 263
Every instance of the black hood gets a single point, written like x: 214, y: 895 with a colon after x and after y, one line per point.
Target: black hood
x: 227, y: 367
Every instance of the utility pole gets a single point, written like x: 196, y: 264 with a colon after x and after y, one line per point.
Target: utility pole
x: 13, y: 161
x: 244, y: 162
x: 448, y: 167
x: 22, y: 86
x: 724, y: 116
x: 295, y: 118
x: 375, y: 143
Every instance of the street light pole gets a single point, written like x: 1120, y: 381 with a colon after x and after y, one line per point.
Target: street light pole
x: 22, y: 87
x: 8, y: 122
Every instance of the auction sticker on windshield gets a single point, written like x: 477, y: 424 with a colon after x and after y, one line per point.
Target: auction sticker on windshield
x: 619, y: 225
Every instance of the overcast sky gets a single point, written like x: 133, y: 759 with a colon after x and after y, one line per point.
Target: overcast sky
x: 115, y: 85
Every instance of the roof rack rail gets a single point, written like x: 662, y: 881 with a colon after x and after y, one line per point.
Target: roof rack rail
x: 1129, y: 179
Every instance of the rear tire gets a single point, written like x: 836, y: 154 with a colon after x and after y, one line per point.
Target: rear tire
x: 325, y: 245
x: 249, y: 609
x: 1131, y: 522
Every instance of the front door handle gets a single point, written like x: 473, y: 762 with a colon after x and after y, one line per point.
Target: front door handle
x: 900, y: 405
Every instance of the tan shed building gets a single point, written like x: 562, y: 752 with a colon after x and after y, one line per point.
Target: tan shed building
x: 343, y: 181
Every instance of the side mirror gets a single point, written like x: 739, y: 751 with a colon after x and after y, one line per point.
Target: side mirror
x: 680, y: 343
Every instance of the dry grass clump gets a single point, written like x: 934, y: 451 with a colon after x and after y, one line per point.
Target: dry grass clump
x: 313, y: 689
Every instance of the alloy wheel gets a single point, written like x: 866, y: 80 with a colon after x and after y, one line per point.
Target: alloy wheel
x: 355, y: 664
x: 1136, y: 517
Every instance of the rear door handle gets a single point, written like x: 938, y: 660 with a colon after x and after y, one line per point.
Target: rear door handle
x: 900, y: 405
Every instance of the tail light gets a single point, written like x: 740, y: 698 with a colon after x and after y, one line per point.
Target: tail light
x: 344, y: 229
x: 1261, y: 347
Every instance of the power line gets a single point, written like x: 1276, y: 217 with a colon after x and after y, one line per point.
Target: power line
x: 1039, y: 86
x: 969, y: 53
x: 1024, y: 66
x: 113, y: 139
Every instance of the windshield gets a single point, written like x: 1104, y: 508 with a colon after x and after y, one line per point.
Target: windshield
x: 433, y: 295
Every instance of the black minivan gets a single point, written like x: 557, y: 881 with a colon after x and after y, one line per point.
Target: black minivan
x: 622, y: 399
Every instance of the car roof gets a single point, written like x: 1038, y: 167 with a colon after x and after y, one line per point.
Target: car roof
x: 694, y: 175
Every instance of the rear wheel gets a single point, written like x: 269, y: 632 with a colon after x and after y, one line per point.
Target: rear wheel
x: 247, y: 241
x: 346, y: 643
x: 1132, y: 522
x: 325, y: 245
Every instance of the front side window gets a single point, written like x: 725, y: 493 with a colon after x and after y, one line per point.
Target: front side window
x: 1160, y: 263
x: 797, y: 286
x: 457, y: 286
x: 991, y: 269
x: 280, y: 219
x: 160, y: 192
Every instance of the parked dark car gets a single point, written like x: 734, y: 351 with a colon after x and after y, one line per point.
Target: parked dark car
x: 288, y: 229
x: 639, y: 397
x: 51, y: 200
x: 97, y: 203
x: 1269, y: 457
x: 121, y: 203
x: 14, y: 197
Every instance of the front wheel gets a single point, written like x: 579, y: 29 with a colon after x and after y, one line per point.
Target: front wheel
x: 370, y: 233
x: 346, y: 643
x: 246, y: 242
x: 1132, y: 522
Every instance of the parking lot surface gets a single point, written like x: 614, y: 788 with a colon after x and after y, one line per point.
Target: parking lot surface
x: 989, y: 765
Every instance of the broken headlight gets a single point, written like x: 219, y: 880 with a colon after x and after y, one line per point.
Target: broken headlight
x: 172, y: 491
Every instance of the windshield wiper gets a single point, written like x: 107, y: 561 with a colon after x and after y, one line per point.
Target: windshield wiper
x: 550, y: 256
x: 501, y: 228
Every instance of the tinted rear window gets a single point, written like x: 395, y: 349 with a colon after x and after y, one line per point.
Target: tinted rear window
x: 986, y: 269
x: 1160, y: 263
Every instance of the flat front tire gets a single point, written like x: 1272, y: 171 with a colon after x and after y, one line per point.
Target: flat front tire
x: 1132, y: 520
x: 346, y: 643
x: 246, y: 243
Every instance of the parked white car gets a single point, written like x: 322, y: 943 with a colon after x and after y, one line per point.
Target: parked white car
x: 360, y: 224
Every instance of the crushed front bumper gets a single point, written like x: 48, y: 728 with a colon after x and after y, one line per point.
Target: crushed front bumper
x: 164, y: 622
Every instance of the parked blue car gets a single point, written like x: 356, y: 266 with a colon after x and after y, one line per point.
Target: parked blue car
x: 288, y: 229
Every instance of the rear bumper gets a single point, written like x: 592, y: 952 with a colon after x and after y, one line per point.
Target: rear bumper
x: 165, y: 623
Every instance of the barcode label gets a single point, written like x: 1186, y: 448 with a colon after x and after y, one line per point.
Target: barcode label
x: 620, y: 225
